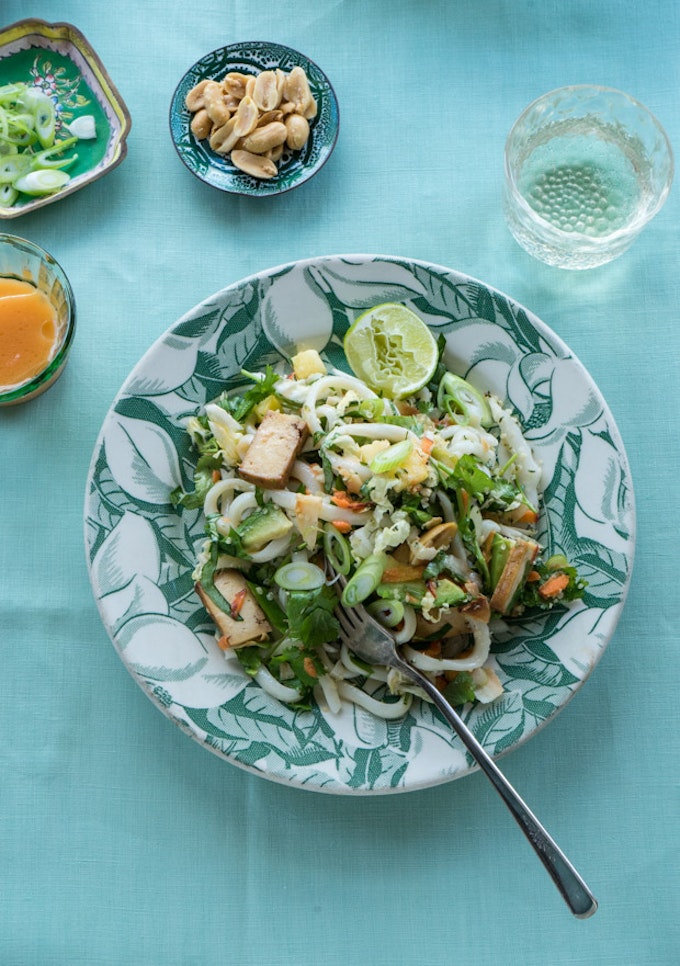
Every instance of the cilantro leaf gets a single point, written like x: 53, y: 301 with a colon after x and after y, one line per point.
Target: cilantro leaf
x: 531, y: 598
x: 310, y: 616
x: 240, y: 406
x: 461, y: 690
x: 304, y: 663
x: 250, y: 658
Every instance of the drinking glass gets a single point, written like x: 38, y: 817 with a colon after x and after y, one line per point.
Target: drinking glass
x: 586, y: 168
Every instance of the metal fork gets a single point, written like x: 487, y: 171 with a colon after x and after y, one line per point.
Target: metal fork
x: 371, y: 641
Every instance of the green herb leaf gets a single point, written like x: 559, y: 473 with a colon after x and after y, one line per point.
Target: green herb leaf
x: 461, y: 690
x: 249, y: 658
x: 299, y: 658
x: 240, y: 406
x: 311, y: 618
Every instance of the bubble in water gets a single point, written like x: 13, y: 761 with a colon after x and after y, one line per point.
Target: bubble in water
x: 580, y: 189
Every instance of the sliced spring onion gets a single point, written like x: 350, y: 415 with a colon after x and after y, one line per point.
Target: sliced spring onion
x: 46, y: 159
x: 300, y: 575
x: 45, y: 120
x: 387, y: 612
x: 28, y: 130
x: 8, y: 195
x: 20, y: 130
x: 336, y: 549
x: 462, y: 401
x: 14, y: 166
x: 392, y: 458
x: 42, y: 182
x: 365, y: 579
x: 11, y: 92
x: 83, y: 127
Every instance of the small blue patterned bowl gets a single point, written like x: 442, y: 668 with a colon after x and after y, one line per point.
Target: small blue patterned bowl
x: 252, y: 57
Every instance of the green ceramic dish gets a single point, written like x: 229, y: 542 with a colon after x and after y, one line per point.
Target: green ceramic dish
x: 141, y: 551
x: 251, y: 58
x: 57, y: 58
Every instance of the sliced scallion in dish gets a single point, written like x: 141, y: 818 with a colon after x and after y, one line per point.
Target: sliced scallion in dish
x: 31, y: 154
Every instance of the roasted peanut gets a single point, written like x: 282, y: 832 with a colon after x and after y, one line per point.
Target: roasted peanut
x: 235, y: 84
x: 246, y: 117
x: 253, y: 118
x: 264, y: 138
x: 311, y: 109
x: 194, y: 99
x: 213, y: 102
x: 296, y: 89
x: 254, y: 164
x: 268, y: 117
x: 232, y: 102
x: 275, y: 154
x: 297, y: 131
x: 224, y: 139
x: 201, y: 125
x: 217, y: 111
x: 266, y: 93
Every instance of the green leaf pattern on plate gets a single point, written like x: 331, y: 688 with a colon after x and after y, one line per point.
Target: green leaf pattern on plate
x: 141, y: 552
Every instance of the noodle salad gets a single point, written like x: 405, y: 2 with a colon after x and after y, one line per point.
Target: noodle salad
x: 427, y: 504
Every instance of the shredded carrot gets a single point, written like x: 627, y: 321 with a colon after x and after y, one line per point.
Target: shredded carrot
x: 223, y: 643
x: 308, y: 665
x: 528, y: 516
x: 434, y: 650
x: 342, y: 526
x: 342, y: 499
x: 216, y: 476
x: 426, y: 445
x: 554, y: 585
x: 237, y: 602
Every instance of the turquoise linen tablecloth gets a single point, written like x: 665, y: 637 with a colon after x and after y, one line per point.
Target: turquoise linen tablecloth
x: 124, y: 842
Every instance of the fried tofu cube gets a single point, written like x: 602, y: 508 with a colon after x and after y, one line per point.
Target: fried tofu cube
x: 275, y: 446
x: 250, y: 625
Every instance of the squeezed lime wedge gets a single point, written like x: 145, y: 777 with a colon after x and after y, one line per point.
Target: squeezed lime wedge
x: 392, y: 350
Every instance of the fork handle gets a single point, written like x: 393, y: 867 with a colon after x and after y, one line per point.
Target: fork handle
x: 573, y: 889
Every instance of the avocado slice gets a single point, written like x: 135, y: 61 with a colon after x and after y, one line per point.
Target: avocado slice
x: 263, y: 525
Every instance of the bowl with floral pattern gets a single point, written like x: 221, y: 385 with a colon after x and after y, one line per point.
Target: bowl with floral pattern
x: 56, y: 60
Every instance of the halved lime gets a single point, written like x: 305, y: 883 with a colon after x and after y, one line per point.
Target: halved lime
x: 392, y: 350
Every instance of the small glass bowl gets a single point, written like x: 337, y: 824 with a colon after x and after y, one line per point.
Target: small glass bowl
x: 22, y: 260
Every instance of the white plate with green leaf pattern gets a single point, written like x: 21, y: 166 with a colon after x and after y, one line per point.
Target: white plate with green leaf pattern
x: 140, y: 550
